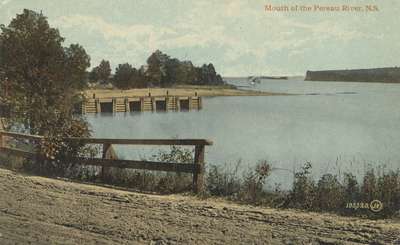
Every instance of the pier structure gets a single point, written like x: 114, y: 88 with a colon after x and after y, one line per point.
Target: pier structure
x: 141, y: 104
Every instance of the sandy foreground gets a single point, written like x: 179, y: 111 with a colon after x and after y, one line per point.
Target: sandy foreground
x: 37, y: 210
x: 204, y: 91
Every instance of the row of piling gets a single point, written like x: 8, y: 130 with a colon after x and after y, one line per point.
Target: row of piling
x: 141, y: 104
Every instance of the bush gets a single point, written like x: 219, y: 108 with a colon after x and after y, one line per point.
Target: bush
x: 223, y: 181
x: 303, y: 192
x: 329, y: 194
x: 242, y: 186
x: 384, y: 187
x: 254, y: 182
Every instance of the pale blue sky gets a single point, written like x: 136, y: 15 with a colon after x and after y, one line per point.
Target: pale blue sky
x: 238, y: 37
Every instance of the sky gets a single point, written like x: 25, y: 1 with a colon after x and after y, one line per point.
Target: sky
x: 239, y: 37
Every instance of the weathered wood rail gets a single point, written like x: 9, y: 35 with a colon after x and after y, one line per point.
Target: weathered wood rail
x: 197, y: 168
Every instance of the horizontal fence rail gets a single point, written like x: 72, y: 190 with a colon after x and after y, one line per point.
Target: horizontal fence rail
x: 196, y: 168
x: 21, y: 135
x: 187, y: 142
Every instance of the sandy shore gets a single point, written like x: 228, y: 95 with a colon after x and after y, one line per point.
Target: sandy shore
x: 37, y: 210
x: 204, y: 91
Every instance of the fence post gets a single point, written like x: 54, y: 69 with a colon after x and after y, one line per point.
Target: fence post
x: 198, y: 176
x: 106, y: 155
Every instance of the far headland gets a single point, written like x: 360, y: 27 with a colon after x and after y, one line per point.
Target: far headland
x: 376, y: 75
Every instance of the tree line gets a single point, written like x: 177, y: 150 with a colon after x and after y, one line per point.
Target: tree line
x: 160, y: 71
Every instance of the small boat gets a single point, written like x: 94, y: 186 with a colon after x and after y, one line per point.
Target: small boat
x: 254, y: 80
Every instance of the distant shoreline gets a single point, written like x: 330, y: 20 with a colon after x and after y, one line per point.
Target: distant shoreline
x: 377, y: 75
x: 202, y: 91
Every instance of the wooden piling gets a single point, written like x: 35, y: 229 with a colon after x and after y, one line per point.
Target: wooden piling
x: 200, y: 103
x: 98, y: 107
x: 153, y: 104
x: 190, y: 103
x: 178, y: 104
x: 114, y: 105
x: 122, y: 104
x: 142, y: 104
x: 127, y: 109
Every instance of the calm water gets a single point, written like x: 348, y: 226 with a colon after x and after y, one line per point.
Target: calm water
x: 340, y: 127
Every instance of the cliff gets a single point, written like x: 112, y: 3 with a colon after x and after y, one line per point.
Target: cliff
x: 381, y: 75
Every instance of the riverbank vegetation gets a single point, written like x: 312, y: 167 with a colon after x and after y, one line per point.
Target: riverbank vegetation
x: 328, y: 193
x: 344, y: 194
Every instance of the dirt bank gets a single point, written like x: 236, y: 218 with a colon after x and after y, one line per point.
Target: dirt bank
x: 204, y: 91
x: 38, y: 210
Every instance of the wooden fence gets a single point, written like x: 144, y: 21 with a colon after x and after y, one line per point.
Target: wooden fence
x: 196, y: 168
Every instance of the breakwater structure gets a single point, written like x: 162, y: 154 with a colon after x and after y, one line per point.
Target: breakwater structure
x: 140, y: 104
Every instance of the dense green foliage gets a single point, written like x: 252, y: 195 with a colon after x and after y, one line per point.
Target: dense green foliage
x: 101, y: 73
x: 161, y: 71
x: 40, y: 80
x: 127, y: 76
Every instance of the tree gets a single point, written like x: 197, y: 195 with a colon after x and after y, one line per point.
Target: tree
x: 101, y: 72
x: 172, y: 70
x: 123, y: 76
x: 165, y: 71
x: 186, y: 73
x: 156, y: 71
x: 209, y: 76
x: 43, y: 76
x: 138, y: 80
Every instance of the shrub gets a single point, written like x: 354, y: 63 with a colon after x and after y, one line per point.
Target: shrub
x: 223, y: 181
x: 254, y: 182
x: 329, y: 194
x: 386, y: 189
x: 303, y: 192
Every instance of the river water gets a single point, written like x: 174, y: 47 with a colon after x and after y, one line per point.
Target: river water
x: 337, y: 126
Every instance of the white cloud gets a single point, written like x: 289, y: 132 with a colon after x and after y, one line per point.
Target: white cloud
x: 4, y: 2
x: 229, y: 29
